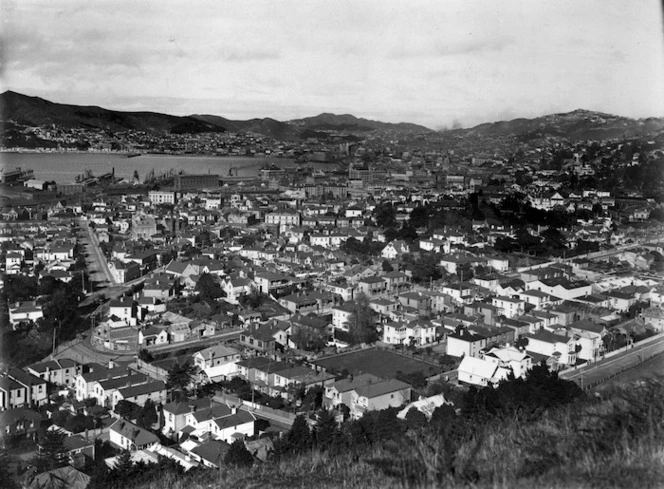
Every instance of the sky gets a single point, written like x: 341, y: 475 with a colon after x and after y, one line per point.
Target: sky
x: 437, y: 63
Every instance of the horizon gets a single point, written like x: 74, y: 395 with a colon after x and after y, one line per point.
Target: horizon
x: 442, y: 66
x: 578, y: 109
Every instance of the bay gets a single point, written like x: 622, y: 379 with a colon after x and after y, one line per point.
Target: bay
x: 64, y: 167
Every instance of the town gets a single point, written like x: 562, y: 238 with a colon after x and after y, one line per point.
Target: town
x: 204, y: 320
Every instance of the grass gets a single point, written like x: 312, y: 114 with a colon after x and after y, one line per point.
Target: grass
x: 381, y: 363
x: 613, y: 442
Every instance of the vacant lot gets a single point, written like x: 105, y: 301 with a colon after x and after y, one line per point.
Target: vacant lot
x: 377, y: 362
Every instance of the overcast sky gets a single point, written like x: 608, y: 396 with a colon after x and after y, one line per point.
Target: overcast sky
x: 437, y: 63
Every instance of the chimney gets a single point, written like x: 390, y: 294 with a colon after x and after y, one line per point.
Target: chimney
x: 111, y: 364
x: 233, y: 409
x: 192, y: 407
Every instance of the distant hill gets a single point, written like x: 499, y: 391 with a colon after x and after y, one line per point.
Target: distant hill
x: 576, y: 125
x: 35, y: 111
x: 267, y: 127
x: 347, y: 122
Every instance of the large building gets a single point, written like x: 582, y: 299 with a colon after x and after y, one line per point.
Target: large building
x: 189, y: 182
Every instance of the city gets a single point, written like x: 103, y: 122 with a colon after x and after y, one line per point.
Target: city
x: 331, y: 300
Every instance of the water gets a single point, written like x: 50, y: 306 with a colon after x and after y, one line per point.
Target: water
x: 64, y: 167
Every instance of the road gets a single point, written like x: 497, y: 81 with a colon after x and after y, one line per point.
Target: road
x: 99, y: 272
x: 604, y: 369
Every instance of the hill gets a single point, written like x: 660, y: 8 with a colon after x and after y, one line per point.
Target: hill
x: 267, y: 126
x: 35, y: 111
x: 347, y: 122
x: 577, y: 125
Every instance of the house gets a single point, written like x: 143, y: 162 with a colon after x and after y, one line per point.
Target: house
x: 141, y: 393
x: 264, y: 338
x: 127, y: 436
x: 210, y: 453
x: 216, y: 356
x: 395, y: 249
x: 12, y: 394
x: 340, y: 391
x: 465, y: 344
x: 36, y: 387
x: 546, y: 343
x: 510, y: 307
x: 480, y: 372
x: 342, y: 314
x: 60, y: 372
x: 175, y: 412
x: 236, y: 288
x: 375, y: 396
x: 416, y: 300
x: 654, y: 317
x: 561, y: 287
x: 219, y: 421
x: 415, y: 333
x: 19, y: 422
x: 103, y: 390
x: 153, y: 335
x: 28, y: 311
x: 299, y: 376
x: 515, y: 360
x: 371, y: 286
x: 395, y: 281
x: 84, y: 382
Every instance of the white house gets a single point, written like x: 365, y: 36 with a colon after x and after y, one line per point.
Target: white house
x: 128, y: 436
x: 394, y: 249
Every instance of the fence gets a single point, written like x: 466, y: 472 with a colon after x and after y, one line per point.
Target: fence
x: 268, y: 412
x: 640, y: 359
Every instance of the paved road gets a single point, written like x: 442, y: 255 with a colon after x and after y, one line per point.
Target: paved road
x: 205, y: 341
x: 608, y: 367
x: 99, y: 272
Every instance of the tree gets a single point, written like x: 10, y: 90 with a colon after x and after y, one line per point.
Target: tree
x: 298, y: 438
x: 148, y: 415
x: 326, y: 429
x: 127, y: 409
x: 387, y: 266
x: 361, y: 324
x: 415, y: 419
x: 181, y: 375
x: 51, y: 450
x: 123, y: 468
x: 385, y: 215
x: 238, y: 455
x: 419, y: 217
x: 208, y: 288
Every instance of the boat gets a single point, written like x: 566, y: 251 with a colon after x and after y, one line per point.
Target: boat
x: 133, y: 155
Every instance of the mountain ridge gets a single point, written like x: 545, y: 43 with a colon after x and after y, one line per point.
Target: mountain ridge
x: 577, y: 124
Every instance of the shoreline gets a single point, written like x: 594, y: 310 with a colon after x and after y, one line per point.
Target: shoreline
x: 134, y: 155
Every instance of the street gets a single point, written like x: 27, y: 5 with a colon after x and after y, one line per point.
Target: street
x: 604, y: 369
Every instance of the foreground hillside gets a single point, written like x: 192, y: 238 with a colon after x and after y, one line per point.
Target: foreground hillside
x: 614, y: 442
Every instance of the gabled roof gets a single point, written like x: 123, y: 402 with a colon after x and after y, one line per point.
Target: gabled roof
x: 137, y: 435
x: 212, y: 451
x: 377, y: 389
x: 478, y: 367
x: 187, y: 406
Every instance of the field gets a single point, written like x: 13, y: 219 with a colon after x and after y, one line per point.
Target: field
x: 377, y: 362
